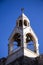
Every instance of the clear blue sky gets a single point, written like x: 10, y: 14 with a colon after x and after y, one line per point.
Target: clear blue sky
x: 9, y: 12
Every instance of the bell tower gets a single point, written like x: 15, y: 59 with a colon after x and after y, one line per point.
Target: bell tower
x: 21, y: 39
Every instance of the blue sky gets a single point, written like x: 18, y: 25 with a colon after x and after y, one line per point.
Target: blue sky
x: 9, y: 12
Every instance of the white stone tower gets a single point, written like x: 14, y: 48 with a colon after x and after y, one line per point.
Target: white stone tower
x: 23, y: 34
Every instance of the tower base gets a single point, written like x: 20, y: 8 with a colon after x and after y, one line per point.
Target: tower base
x: 19, y: 53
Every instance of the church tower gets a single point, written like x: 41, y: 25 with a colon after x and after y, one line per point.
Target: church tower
x: 22, y: 41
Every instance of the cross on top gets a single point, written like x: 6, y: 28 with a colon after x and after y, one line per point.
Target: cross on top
x: 22, y: 10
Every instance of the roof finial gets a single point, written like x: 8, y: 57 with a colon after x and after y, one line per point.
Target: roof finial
x: 22, y: 10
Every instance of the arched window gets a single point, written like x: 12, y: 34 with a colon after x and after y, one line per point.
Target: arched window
x: 25, y: 23
x: 30, y: 45
x: 20, y: 23
x: 29, y: 41
x: 15, y: 45
x: 17, y: 40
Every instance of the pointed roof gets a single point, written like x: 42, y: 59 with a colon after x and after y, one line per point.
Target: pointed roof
x: 23, y: 17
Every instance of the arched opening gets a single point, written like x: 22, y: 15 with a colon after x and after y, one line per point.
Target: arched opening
x: 15, y: 45
x: 25, y: 23
x: 29, y: 41
x: 30, y: 45
x: 20, y: 23
x: 17, y: 41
